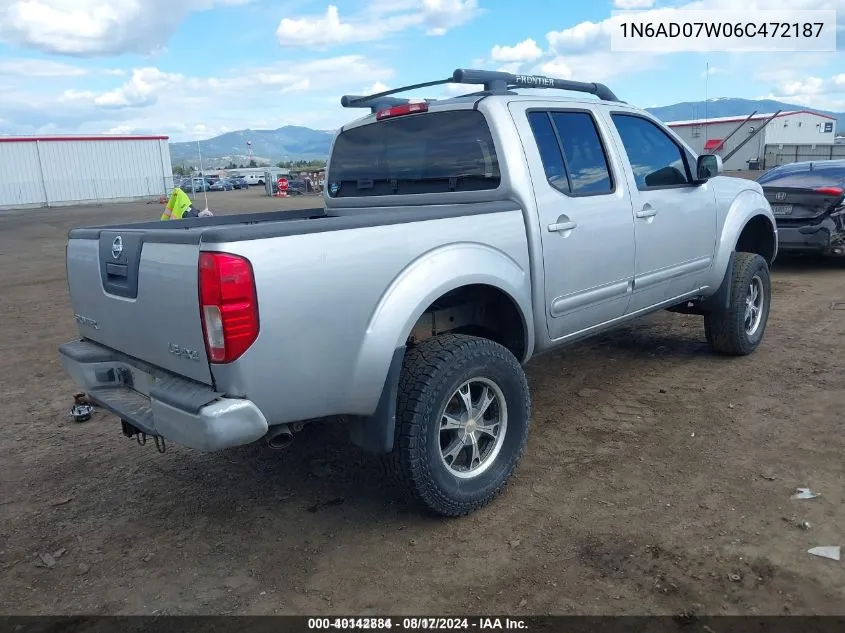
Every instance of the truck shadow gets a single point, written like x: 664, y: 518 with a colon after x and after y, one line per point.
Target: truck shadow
x: 321, y: 472
x: 807, y: 264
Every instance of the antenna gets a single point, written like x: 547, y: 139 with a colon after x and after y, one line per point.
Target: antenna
x: 706, y: 127
x: 202, y: 171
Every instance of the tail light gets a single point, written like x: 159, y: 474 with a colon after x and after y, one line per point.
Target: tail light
x: 228, y: 305
x: 830, y: 191
x: 401, y: 110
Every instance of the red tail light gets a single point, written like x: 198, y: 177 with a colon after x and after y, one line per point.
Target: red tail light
x: 228, y: 305
x: 830, y: 191
x: 407, y: 108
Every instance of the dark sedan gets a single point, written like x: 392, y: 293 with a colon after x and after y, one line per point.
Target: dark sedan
x: 239, y: 183
x: 222, y: 184
x: 808, y: 201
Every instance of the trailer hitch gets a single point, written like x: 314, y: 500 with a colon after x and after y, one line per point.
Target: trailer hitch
x: 130, y: 431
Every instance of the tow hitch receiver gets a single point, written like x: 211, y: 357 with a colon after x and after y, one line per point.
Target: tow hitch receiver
x: 129, y: 430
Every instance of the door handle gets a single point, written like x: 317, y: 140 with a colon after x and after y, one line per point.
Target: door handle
x: 562, y: 226
x: 647, y: 212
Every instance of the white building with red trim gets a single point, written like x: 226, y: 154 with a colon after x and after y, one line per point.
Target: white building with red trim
x: 48, y: 171
x: 799, y: 132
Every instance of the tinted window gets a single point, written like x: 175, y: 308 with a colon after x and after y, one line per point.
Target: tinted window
x: 550, y: 152
x: 579, y: 166
x: 585, y: 158
x: 655, y: 158
x: 422, y: 153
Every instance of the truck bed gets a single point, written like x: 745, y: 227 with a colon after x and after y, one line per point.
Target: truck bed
x: 133, y: 287
x: 186, y: 230
x: 253, y: 226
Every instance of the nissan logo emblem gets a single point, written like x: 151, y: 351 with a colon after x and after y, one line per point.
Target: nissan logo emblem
x: 117, y: 247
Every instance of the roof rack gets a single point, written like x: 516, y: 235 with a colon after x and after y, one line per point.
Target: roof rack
x: 494, y: 82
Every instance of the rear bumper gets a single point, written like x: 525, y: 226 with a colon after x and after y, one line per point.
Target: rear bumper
x: 176, y: 409
x: 826, y: 237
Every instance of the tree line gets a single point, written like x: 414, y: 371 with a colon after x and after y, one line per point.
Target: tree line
x: 302, y: 165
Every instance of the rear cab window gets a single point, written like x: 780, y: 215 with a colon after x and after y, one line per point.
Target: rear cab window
x: 432, y: 152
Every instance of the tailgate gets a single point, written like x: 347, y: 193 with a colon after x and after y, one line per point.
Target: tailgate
x: 139, y: 296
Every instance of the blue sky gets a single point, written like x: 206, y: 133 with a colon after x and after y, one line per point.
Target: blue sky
x: 196, y: 68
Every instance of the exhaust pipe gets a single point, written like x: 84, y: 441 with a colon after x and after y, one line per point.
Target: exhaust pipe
x: 280, y: 438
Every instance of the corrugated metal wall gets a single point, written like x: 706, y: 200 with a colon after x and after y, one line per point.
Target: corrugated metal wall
x: 53, y: 172
x: 777, y: 155
x: 20, y: 175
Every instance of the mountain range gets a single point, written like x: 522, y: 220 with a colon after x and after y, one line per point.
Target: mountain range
x: 292, y: 143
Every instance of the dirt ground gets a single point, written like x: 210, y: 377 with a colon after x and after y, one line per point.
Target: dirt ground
x: 657, y: 480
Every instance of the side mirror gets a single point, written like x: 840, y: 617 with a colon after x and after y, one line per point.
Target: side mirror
x: 708, y: 166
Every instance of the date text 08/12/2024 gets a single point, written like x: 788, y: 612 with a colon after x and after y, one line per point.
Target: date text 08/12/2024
x: 414, y: 624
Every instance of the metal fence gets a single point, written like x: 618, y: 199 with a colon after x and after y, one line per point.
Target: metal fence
x: 777, y: 155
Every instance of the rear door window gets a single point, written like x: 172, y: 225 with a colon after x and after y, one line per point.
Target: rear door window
x: 436, y: 152
x: 572, y: 152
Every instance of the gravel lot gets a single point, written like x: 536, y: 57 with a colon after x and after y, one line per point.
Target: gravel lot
x: 658, y: 478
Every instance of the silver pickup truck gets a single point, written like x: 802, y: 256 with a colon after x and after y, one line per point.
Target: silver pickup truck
x: 457, y: 239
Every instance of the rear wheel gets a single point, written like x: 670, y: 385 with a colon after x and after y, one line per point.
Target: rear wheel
x: 739, y: 329
x: 462, y: 422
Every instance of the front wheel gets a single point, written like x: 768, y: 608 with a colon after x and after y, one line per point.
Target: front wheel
x: 462, y: 422
x: 739, y: 329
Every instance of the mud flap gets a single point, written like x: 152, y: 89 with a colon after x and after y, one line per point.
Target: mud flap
x: 721, y: 299
x: 375, y: 433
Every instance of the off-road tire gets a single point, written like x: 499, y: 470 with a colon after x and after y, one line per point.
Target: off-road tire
x: 431, y: 373
x: 725, y: 329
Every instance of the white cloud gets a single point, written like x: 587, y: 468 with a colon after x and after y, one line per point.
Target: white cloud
x: 810, y: 91
x: 712, y: 70
x: 512, y: 68
x: 96, y: 27
x: 454, y: 90
x: 440, y: 16
x: 328, y: 29
x: 143, y: 89
x: 633, y: 4
x: 23, y: 67
x: 582, y: 37
x: 812, y: 101
x: 375, y: 89
x: 156, y: 101
x: 149, y: 85
x: 525, y: 51
x: 556, y: 68
x: 810, y: 85
x: 599, y: 66
x: 379, y: 21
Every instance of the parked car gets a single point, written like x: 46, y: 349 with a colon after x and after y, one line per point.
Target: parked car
x: 808, y: 201
x: 462, y: 237
x: 239, y: 183
x: 199, y: 184
x: 254, y: 179
x: 221, y: 184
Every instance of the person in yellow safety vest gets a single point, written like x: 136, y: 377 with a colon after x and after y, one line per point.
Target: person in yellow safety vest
x: 178, y: 204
